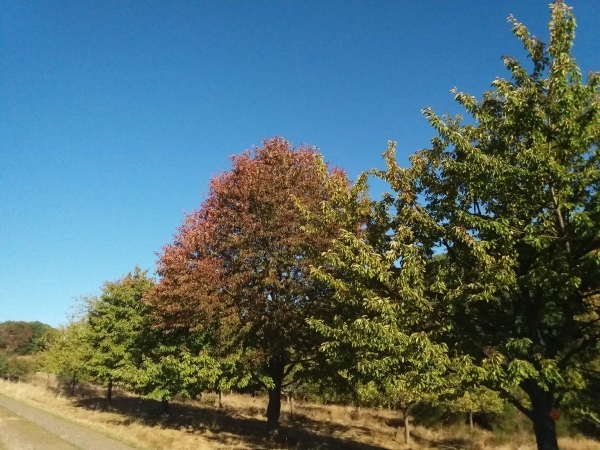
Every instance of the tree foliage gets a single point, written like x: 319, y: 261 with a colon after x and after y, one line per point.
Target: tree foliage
x: 69, y: 353
x: 242, y: 260
x: 511, y: 202
x: 117, y: 324
x: 23, y: 338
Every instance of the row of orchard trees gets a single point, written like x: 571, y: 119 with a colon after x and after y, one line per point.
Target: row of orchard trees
x: 478, y: 272
x: 112, y: 340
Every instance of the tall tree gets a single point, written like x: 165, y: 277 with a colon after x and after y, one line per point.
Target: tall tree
x: 385, y: 335
x: 512, y: 201
x: 489, y: 248
x: 243, y: 260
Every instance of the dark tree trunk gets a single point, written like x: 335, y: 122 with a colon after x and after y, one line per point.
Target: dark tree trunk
x: 220, y: 399
x: 164, y: 406
x: 73, y: 381
x: 542, y: 403
x: 275, y: 370
x: 109, y: 393
x: 545, y: 431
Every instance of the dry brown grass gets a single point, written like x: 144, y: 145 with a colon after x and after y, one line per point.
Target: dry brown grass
x: 241, y: 424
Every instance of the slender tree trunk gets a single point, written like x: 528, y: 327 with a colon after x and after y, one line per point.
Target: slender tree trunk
x: 109, y: 393
x: 220, y: 398
x: 73, y: 381
x: 406, y: 422
x: 164, y: 405
x: 471, y: 420
x: 291, y: 407
x: 275, y: 370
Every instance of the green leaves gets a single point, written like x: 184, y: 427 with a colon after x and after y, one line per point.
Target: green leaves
x: 486, y: 252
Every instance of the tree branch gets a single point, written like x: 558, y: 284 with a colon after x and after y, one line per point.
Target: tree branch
x: 507, y: 395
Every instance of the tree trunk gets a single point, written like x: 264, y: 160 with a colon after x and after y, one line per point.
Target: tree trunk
x: 275, y: 371
x: 545, y: 431
x: 109, y: 393
x: 164, y: 405
x: 406, y: 428
x: 542, y: 402
x: 73, y: 381
x: 220, y: 399
x: 471, y: 420
x: 291, y: 407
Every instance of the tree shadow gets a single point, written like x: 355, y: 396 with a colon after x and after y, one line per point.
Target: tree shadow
x: 227, y: 425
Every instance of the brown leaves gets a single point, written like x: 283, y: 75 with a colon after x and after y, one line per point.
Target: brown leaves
x: 242, y: 257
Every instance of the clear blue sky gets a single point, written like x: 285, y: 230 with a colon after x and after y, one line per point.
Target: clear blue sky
x: 114, y: 114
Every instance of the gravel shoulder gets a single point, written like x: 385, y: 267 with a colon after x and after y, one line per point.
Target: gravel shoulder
x: 26, y: 427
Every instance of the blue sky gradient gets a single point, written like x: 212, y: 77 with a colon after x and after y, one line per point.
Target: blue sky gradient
x: 114, y: 115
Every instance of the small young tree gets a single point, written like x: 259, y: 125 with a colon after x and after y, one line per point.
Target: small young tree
x: 68, y: 353
x: 476, y: 400
x: 175, y: 363
x: 399, y: 394
x: 117, y: 322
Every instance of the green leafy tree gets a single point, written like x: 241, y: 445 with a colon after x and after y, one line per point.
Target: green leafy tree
x: 511, y: 199
x: 475, y: 400
x: 116, y: 324
x: 385, y: 333
x: 40, y: 336
x: 176, y: 363
x: 399, y: 393
x: 68, y: 353
x: 583, y: 405
x: 489, y: 249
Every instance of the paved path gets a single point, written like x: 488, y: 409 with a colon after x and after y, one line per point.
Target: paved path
x: 23, y: 427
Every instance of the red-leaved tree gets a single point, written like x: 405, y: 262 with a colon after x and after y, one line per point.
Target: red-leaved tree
x: 241, y: 264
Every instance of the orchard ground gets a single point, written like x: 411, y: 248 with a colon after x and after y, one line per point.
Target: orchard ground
x: 241, y: 423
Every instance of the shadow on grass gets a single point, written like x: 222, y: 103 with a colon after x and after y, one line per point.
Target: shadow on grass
x: 226, y: 426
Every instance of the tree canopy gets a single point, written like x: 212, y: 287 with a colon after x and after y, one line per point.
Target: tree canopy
x: 492, y: 235
x: 240, y: 264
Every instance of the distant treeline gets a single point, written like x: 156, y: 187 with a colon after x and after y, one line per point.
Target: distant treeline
x: 23, y: 338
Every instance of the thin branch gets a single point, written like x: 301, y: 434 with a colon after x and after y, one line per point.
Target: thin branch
x: 516, y: 403
x: 593, y: 417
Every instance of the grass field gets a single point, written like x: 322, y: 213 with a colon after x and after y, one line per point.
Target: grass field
x: 240, y: 424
